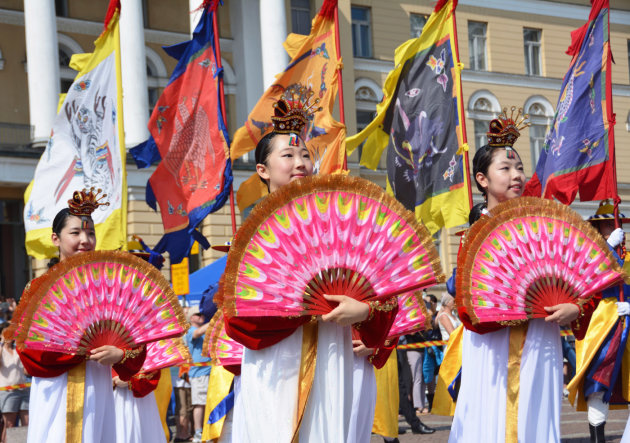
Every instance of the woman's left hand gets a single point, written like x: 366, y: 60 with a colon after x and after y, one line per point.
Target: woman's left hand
x: 360, y: 350
x: 563, y: 314
x: 119, y: 383
x: 107, y: 355
x: 348, y: 312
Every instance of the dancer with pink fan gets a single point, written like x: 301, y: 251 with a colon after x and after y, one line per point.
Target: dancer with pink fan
x: 75, y: 323
x: 522, y: 270
x: 318, y: 258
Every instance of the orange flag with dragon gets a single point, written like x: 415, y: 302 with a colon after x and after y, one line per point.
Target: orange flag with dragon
x: 314, y: 63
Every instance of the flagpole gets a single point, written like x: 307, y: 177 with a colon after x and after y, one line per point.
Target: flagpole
x: 461, y: 105
x: 342, y: 113
x: 217, y: 46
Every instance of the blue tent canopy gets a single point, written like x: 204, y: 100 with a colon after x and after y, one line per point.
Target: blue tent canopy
x: 202, y: 279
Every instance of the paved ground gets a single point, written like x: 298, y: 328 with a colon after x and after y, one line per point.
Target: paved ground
x: 574, y: 427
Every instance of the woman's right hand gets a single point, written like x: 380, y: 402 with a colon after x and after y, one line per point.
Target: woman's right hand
x: 107, y: 355
x: 348, y: 312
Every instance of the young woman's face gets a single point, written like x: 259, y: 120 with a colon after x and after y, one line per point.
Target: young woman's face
x: 285, y: 163
x: 505, y: 179
x: 74, y: 239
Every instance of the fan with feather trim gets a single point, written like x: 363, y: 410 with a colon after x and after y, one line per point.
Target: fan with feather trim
x: 531, y: 253
x: 166, y: 353
x: 412, y: 315
x: 328, y: 234
x: 99, y: 298
x: 219, y: 346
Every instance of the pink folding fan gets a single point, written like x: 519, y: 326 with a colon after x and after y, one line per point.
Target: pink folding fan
x: 219, y: 346
x: 166, y: 353
x: 99, y: 298
x: 328, y: 234
x: 528, y: 254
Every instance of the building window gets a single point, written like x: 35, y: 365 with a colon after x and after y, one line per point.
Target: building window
x: 417, y: 22
x: 364, y: 118
x: 477, y: 45
x: 145, y: 14
x: 61, y: 8
x: 66, y: 75
x: 301, y: 16
x: 536, y: 141
x: 481, y: 130
x: 361, y: 32
x: 532, y: 40
x: 540, y: 114
x: 482, y: 109
x: 154, y: 92
x: 14, y: 263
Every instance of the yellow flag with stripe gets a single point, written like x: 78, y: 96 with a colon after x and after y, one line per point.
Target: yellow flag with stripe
x: 86, y: 149
x: 315, y: 64
x: 421, y: 123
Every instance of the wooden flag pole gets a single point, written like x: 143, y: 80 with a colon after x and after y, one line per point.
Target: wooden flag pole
x: 342, y: 113
x: 461, y: 105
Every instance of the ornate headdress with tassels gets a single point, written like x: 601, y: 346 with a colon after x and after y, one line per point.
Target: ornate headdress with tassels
x: 84, y: 202
x: 504, y: 130
x: 294, y: 109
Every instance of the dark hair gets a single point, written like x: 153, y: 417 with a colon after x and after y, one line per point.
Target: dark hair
x: 482, y: 161
x: 432, y: 297
x: 263, y: 148
x: 475, y: 213
x: 60, y: 220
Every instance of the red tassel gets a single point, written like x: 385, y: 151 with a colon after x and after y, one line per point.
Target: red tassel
x: 441, y: 3
x: 327, y: 10
x: 111, y: 9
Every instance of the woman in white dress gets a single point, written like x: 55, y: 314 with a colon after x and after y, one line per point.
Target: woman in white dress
x: 272, y: 405
x: 55, y: 373
x: 511, y: 387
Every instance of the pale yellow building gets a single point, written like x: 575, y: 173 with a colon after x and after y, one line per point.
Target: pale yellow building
x: 513, y: 53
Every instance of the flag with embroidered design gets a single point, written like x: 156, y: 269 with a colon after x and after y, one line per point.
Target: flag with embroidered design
x: 420, y: 122
x: 314, y: 64
x: 86, y: 149
x: 578, y: 152
x: 189, y: 138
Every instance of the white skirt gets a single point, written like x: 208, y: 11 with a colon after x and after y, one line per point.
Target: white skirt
x: 363, y: 401
x: 266, y: 407
x: 137, y: 419
x: 480, y: 414
x: 47, y: 407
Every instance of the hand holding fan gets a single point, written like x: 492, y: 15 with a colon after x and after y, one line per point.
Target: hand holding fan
x: 328, y: 234
x: 529, y: 254
x: 166, y: 353
x: 100, y: 298
x: 219, y: 346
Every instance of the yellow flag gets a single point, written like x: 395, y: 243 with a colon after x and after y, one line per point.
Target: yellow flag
x: 314, y: 64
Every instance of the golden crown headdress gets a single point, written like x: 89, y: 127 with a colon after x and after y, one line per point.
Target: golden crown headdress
x: 504, y: 130
x: 294, y: 109
x: 84, y: 202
